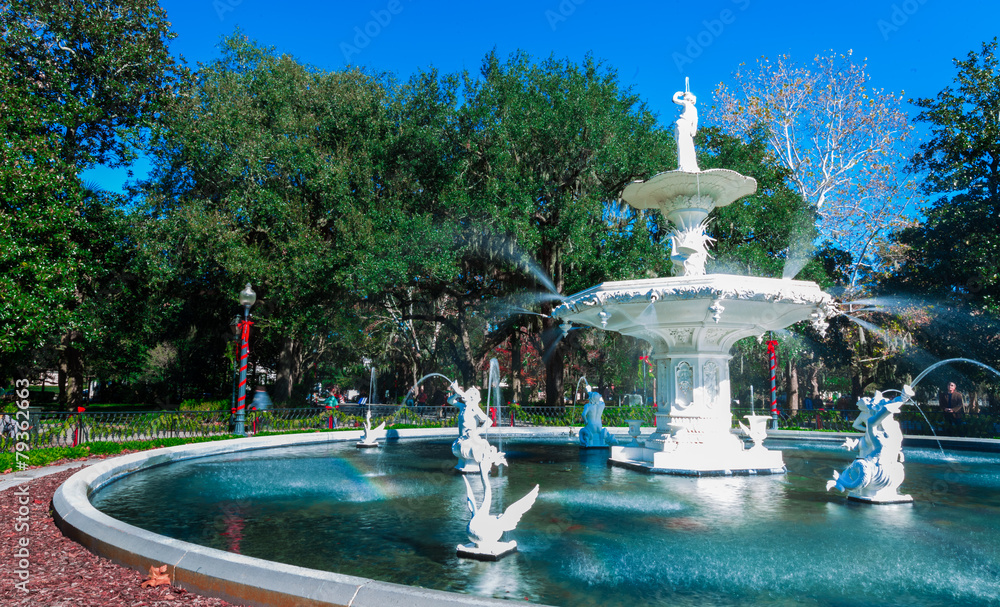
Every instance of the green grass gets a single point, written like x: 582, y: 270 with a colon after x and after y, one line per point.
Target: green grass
x: 42, y: 457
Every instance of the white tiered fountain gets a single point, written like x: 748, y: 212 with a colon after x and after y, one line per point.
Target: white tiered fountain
x: 693, y: 320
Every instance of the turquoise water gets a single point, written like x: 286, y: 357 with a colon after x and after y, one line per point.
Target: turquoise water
x: 597, y: 535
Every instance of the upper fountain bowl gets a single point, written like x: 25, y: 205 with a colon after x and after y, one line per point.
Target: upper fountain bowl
x: 686, y: 198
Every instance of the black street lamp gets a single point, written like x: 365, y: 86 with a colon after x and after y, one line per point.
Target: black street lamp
x: 247, y: 299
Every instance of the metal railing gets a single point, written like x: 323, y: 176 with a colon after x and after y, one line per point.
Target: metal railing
x: 63, y: 429
x: 925, y: 421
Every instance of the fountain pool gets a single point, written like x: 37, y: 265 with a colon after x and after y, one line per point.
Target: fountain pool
x: 597, y: 535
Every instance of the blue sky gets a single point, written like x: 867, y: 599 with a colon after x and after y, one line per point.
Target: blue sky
x: 909, y: 44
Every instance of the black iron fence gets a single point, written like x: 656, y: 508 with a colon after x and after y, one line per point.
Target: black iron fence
x: 925, y: 420
x: 62, y: 429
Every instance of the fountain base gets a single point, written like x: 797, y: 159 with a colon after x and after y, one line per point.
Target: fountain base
x: 467, y: 466
x: 682, y: 459
x: 895, y: 498
x: 487, y: 553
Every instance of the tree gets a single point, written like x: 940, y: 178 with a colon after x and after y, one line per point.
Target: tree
x: 955, y: 251
x: 81, y: 81
x: 950, y: 263
x: 839, y: 139
x: 550, y: 147
x: 268, y: 171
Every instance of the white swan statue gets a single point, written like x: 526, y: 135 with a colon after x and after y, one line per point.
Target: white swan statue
x: 370, y: 439
x: 485, y: 529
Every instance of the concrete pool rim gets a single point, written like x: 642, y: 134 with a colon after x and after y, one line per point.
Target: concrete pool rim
x: 252, y: 581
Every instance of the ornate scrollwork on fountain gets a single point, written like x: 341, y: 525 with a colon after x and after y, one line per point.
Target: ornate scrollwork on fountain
x: 877, y: 473
x: 689, y: 249
x: 685, y: 386
x: 711, y: 371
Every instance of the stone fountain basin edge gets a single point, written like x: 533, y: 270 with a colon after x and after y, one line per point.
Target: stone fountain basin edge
x: 252, y: 581
x: 233, y: 577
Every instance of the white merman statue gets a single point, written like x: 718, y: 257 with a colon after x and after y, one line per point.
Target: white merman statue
x: 370, y: 439
x: 485, y: 529
x: 685, y: 128
x: 877, y: 473
x: 470, y: 448
x: 594, y: 434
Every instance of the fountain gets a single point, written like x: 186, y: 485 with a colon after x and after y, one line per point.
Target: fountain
x: 371, y: 436
x: 692, y: 321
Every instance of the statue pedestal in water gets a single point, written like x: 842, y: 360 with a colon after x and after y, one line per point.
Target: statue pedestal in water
x: 692, y: 321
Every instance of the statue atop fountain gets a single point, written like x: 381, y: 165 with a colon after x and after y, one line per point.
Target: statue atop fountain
x: 685, y: 128
x: 470, y: 447
x: 485, y: 529
x: 371, y: 436
x: 877, y: 473
x: 692, y: 320
x: 594, y: 434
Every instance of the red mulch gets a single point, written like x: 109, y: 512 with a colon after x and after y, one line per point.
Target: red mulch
x: 63, y: 573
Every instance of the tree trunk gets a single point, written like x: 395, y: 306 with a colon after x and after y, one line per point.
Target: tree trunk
x: 552, y: 344
x: 70, y: 371
x: 289, y: 370
x: 857, y: 388
x: 465, y: 365
x: 814, y: 391
x: 793, y: 387
x: 552, y: 340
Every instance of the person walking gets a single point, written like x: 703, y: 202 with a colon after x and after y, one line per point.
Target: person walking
x: 261, y: 402
x: 952, y: 406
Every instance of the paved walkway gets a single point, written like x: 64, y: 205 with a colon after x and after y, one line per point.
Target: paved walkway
x: 14, y: 479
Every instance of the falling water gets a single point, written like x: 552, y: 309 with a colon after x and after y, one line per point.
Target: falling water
x: 512, y: 310
x: 800, y: 250
x: 952, y: 360
x: 494, y: 397
x: 648, y: 315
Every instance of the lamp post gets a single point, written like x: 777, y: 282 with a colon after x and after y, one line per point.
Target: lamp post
x: 234, y: 326
x: 247, y: 299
